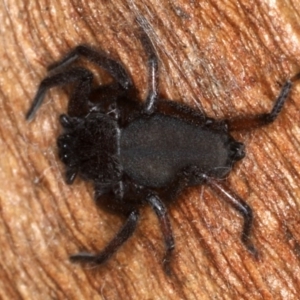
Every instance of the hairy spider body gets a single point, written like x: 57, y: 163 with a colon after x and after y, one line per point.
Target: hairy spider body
x: 143, y: 152
x: 87, y: 149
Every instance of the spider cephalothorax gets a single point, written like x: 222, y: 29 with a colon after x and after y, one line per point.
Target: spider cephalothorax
x: 89, y: 147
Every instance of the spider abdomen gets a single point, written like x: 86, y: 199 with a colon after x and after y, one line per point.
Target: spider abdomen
x: 155, y: 149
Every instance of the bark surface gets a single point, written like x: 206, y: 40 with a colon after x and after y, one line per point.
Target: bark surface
x: 226, y: 58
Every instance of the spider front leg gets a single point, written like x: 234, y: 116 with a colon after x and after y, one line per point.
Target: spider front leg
x: 122, y: 236
x: 264, y: 119
x: 113, y: 67
x: 78, y: 104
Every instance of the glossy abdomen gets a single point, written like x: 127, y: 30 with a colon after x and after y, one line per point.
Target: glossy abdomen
x: 154, y: 149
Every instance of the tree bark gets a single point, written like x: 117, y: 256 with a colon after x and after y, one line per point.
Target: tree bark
x: 225, y: 58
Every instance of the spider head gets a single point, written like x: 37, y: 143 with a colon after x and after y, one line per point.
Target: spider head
x: 87, y: 146
x: 67, y: 144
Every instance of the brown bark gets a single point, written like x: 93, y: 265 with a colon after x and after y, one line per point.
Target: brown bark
x: 227, y: 58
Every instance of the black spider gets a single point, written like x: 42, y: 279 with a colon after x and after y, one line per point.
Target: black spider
x: 138, y: 152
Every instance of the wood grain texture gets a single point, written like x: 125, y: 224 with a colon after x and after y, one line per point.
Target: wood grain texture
x: 225, y: 58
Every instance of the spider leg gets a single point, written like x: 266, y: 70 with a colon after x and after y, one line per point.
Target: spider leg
x: 113, y: 67
x: 122, y: 236
x: 241, y: 206
x: 78, y: 102
x: 161, y: 212
x: 181, y: 111
x: 267, y: 118
x: 107, y: 93
x: 152, y: 97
